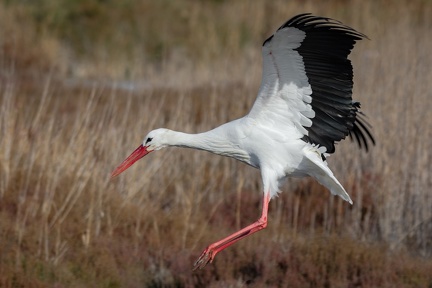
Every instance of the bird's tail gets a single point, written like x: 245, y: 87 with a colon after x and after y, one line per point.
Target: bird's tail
x: 318, y: 169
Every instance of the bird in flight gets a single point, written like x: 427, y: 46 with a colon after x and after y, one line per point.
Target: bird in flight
x: 304, y: 106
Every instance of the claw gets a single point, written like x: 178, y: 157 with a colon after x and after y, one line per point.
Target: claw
x: 206, y: 257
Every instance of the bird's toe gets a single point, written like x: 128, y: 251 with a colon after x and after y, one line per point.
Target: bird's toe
x: 206, y: 257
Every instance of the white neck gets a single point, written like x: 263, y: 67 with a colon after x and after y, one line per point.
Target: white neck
x: 214, y: 141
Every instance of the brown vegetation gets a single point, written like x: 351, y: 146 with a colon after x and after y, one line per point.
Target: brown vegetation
x: 77, y: 98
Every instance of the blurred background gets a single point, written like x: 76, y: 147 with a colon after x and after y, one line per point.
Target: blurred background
x: 83, y: 81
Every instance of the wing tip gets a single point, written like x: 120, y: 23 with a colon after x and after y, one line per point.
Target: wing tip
x: 309, y: 21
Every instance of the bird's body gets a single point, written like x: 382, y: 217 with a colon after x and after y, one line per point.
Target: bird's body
x: 303, y: 107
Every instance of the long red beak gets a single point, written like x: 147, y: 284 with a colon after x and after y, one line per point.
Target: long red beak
x: 140, y: 152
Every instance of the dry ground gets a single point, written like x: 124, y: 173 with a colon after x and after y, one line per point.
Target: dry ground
x: 71, y: 112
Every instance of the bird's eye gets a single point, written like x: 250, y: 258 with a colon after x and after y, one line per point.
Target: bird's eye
x: 148, y: 140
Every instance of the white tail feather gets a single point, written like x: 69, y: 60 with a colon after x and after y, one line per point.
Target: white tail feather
x: 320, y: 171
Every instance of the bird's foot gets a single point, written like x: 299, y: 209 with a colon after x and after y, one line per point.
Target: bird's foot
x: 206, y: 257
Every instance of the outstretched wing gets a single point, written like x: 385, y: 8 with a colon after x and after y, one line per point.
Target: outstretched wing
x: 307, y: 82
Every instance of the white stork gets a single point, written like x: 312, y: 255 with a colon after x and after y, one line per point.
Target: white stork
x: 304, y: 106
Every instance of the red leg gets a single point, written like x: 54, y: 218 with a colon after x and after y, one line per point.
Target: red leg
x: 210, y: 252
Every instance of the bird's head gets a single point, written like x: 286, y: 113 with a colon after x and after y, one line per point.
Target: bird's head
x: 155, y: 140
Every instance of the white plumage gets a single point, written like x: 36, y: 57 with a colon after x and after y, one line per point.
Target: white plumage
x: 304, y: 106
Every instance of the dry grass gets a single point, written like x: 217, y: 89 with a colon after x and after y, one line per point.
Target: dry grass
x: 64, y: 224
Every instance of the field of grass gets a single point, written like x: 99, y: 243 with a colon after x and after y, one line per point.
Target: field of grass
x: 82, y: 82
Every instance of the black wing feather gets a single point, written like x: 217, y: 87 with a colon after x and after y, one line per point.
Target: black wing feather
x: 325, y: 51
